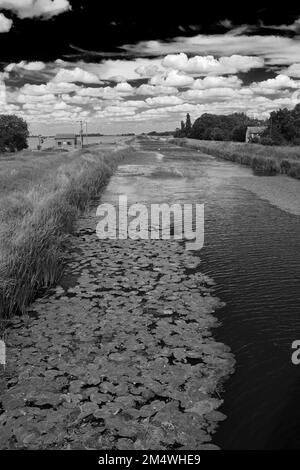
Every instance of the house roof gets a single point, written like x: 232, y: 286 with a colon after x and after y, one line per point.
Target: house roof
x: 65, y: 136
x: 256, y: 129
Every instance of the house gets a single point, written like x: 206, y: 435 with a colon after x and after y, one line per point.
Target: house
x: 253, y: 134
x: 65, y: 140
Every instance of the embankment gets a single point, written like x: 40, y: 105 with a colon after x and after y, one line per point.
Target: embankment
x: 264, y: 159
x: 35, y: 221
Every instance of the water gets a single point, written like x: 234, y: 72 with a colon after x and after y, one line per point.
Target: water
x: 252, y: 250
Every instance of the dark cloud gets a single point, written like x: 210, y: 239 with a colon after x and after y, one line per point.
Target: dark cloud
x: 90, y: 26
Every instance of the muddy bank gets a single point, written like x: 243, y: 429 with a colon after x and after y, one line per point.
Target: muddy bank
x: 119, y: 356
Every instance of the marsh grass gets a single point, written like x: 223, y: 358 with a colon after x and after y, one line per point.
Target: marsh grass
x: 269, y: 160
x: 36, y: 220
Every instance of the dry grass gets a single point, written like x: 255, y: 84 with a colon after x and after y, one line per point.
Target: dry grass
x: 40, y: 197
x: 266, y: 159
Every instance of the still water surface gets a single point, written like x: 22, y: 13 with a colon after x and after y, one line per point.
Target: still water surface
x: 252, y: 250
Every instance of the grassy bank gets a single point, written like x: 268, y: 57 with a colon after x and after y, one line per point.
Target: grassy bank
x: 40, y: 198
x: 266, y: 159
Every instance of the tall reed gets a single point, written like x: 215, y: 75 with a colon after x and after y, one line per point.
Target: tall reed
x: 35, y: 224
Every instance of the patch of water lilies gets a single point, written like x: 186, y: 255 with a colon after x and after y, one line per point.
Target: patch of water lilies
x: 119, y: 356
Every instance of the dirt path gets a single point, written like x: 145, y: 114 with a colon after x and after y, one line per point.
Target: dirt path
x: 119, y: 356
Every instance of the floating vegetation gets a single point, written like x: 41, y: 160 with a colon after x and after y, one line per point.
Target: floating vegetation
x: 119, y: 356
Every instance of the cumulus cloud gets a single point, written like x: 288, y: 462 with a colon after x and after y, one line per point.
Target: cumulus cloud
x: 203, y: 65
x: 148, y: 70
x: 163, y: 101
x: 36, y: 8
x: 153, y: 90
x: 292, y: 71
x: 121, y: 70
x: 273, y: 85
x: 30, y: 66
x: 211, y: 94
x: 231, y: 81
x: 124, y: 87
x: 50, y: 87
x: 172, y: 78
x: 2, y: 91
x: 75, y: 75
x: 5, y: 24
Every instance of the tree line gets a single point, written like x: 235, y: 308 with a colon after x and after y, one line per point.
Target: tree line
x: 217, y: 127
x: 282, y: 127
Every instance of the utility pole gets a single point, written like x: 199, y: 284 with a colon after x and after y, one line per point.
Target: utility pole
x: 86, y: 132
x: 41, y: 141
x: 81, y: 133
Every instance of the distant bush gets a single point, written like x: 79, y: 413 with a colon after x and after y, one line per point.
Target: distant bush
x: 266, y: 141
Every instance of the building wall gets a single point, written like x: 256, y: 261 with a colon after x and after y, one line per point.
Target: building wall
x: 250, y: 136
x: 65, y: 143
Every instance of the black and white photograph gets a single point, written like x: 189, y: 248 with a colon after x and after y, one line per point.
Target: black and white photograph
x: 149, y: 230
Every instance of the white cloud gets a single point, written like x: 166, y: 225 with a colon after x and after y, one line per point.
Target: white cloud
x: 292, y: 71
x: 5, y: 23
x: 36, y: 8
x: 106, y: 93
x: 273, y: 85
x: 217, y: 82
x: 2, y: 91
x: 172, y: 78
x: 153, y: 90
x: 148, y: 70
x: 124, y: 87
x: 52, y: 88
x: 203, y: 65
x: 163, y: 101
x: 122, y: 70
x: 23, y: 98
x: 75, y: 75
x: 210, y: 94
x: 295, y: 26
x: 30, y: 66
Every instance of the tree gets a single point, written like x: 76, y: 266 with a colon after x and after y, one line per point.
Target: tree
x: 230, y: 127
x: 180, y: 132
x: 188, y: 125
x: 13, y: 133
x: 217, y: 134
x: 283, y: 127
x: 238, y: 133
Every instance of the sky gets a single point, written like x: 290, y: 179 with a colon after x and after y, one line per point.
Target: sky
x: 138, y: 68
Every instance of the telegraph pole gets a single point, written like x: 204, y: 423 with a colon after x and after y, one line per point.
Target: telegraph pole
x: 86, y: 132
x: 81, y: 133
